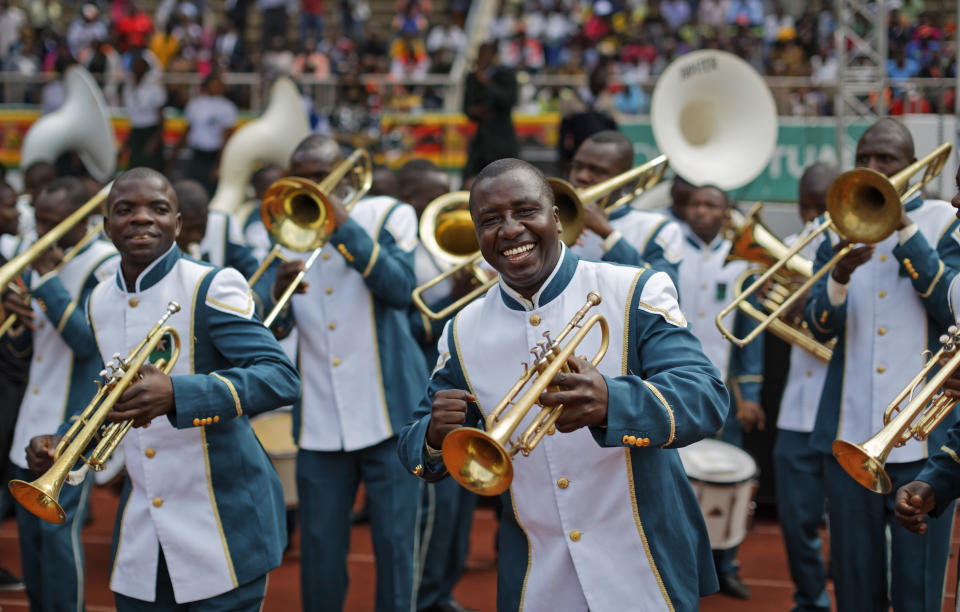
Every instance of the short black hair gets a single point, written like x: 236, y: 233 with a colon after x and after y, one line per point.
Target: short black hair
x: 509, y: 164
x: 621, y: 142
x: 897, y: 129
x: 192, y: 196
x: 726, y: 198
x: 141, y: 173
x: 313, y: 142
x: 415, y: 168
x: 262, y: 174
x: 76, y: 192
x: 818, y: 173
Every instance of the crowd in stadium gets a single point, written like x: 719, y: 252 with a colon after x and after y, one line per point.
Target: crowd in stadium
x: 624, y: 44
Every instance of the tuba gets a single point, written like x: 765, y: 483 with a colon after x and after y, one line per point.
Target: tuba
x: 298, y: 215
x: 863, y: 206
x: 40, y: 496
x: 270, y: 139
x: 481, y: 460
x: 82, y: 124
x: 924, y: 410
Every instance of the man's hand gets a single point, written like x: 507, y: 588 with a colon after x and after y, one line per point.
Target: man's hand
x: 340, y: 213
x: 595, y: 219
x: 448, y: 412
x: 583, y: 393
x: 286, y: 272
x: 951, y: 387
x: 751, y: 416
x: 851, y: 261
x: 16, y: 304
x: 146, y: 399
x: 40, y: 453
x: 48, y: 260
x: 914, y: 500
x: 904, y: 219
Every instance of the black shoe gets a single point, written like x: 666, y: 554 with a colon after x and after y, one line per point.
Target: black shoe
x: 448, y: 606
x: 731, y: 585
x: 9, y: 582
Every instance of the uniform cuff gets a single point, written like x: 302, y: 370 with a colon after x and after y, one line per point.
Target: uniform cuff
x: 836, y: 292
x: 611, y: 240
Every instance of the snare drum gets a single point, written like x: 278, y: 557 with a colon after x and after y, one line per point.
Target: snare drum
x: 724, y: 479
x: 275, y: 432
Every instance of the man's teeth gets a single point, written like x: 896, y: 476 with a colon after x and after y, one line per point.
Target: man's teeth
x: 517, y: 250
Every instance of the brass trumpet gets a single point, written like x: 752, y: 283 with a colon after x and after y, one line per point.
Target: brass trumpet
x: 298, y: 215
x: 863, y: 206
x: 923, y: 412
x: 753, y: 242
x: 481, y: 461
x: 89, y: 237
x: 446, y: 229
x: 40, y: 496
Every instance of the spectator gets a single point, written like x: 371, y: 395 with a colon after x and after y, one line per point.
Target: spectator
x: 133, y: 29
x: 311, y: 22
x: 745, y: 12
x: 712, y: 13
x: 311, y: 61
x: 273, y: 15
x: 354, y: 15
x: 86, y: 28
x: 210, y: 119
x: 489, y: 96
x: 53, y: 93
x: 900, y: 67
x: 444, y: 41
x: 676, y: 12
x: 143, y: 99
x: 408, y: 56
x: 164, y: 44
x: 277, y: 60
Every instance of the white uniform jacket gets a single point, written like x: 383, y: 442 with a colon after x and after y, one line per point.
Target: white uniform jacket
x: 896, y: 307
x: 582, y: 529
x: 639, y: 238
x: 200, y: 485
x: 65, y: 360
x: 362, y: 369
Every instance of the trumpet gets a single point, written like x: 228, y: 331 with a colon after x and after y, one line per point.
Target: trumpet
x: 923, y: 412
x: 299, y: 216
x: 863, y: 206
x: 447, y: 232
x: 481, y: 461
x: 753, y: 242
x: 89, y: 237
x: 40, y: 496
x: 12, y: 269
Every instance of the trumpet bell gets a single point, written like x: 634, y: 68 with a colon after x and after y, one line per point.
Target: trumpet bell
x: 864, y: 205
x: 297, y: 215
x: 567, y: 201
x: 39, y: 499
x: 477, y: 461
x: 862, y: 466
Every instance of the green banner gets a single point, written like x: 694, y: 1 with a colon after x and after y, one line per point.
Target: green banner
x: 798, y: 146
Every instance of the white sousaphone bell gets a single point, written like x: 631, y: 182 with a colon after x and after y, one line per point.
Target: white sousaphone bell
x: 271, y: 138
x: 81, y: 125
x: 714, y: 117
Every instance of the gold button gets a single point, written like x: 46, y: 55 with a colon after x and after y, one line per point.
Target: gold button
x: 149, y: 453
x: 881, y: 369
x: 157, y: 502
x: 575, y: 535
x: 329, y: 290
x: 883, y: 258
x: 563, y: 483
x: 332, y: 326
x: 625, y: 439
x: 133, y: 302
x: 36, y: 389
x: 196, y: 422
x: 336, y: 361
x: 632, y: 440
x: 882, y: 294
x: 535, y: 320
x: 809, y: 372
x: 326, y: 255
x: 39, y: 357
x: 216, y: 419
x: 42, y: 324
x: 882, y: 331
x: 701, y: 314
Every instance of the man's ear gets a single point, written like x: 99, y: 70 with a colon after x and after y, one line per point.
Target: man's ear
x: 556, y: 219
x: 176, y: 233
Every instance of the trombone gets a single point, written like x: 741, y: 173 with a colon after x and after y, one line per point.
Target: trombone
x: 299, y: 216
x: 863, y: 206
x: 12, y: 269
x: 924, y: 411
x: 481, y: 461
x: 89, y: 237
x: 447, y: 232
x: 40, y: 496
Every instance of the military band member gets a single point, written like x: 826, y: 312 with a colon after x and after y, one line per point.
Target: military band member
x: 201, y: 515
x: 254, y: 233
x: 798, y: 468
x: 64, y: 361
x: 362, y: 375
x: 706, y: 286
x: 626, y: 235
x: 581, y: 529
x: 885, y: 304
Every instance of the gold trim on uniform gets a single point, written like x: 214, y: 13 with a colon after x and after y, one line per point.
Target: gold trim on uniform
x: 643, y: 535
x: 933, y: 283
x: 952, y: 453
x: 233, y: 392
x: 66, y: 315
x: 373, y: 260
x: 245, y: 312
x: 216, y: 512
x: 663, y: 400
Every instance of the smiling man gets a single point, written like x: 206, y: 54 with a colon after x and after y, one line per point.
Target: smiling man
x: 201, y: 519
x: 584, y: 530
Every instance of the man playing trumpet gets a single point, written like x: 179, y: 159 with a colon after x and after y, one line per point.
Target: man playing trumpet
x: 602, y: 512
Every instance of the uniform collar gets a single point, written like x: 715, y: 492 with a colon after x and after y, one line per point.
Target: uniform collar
x: 695, y: 240
x: 153, y: 273
x: 551, y: 288
x: 915, y: 202
x: 619, y: 213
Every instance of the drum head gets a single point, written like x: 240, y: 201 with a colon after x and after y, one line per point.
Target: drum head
x: 717, y: 462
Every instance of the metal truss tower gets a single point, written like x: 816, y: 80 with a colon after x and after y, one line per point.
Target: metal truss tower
x: 860, y: 40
